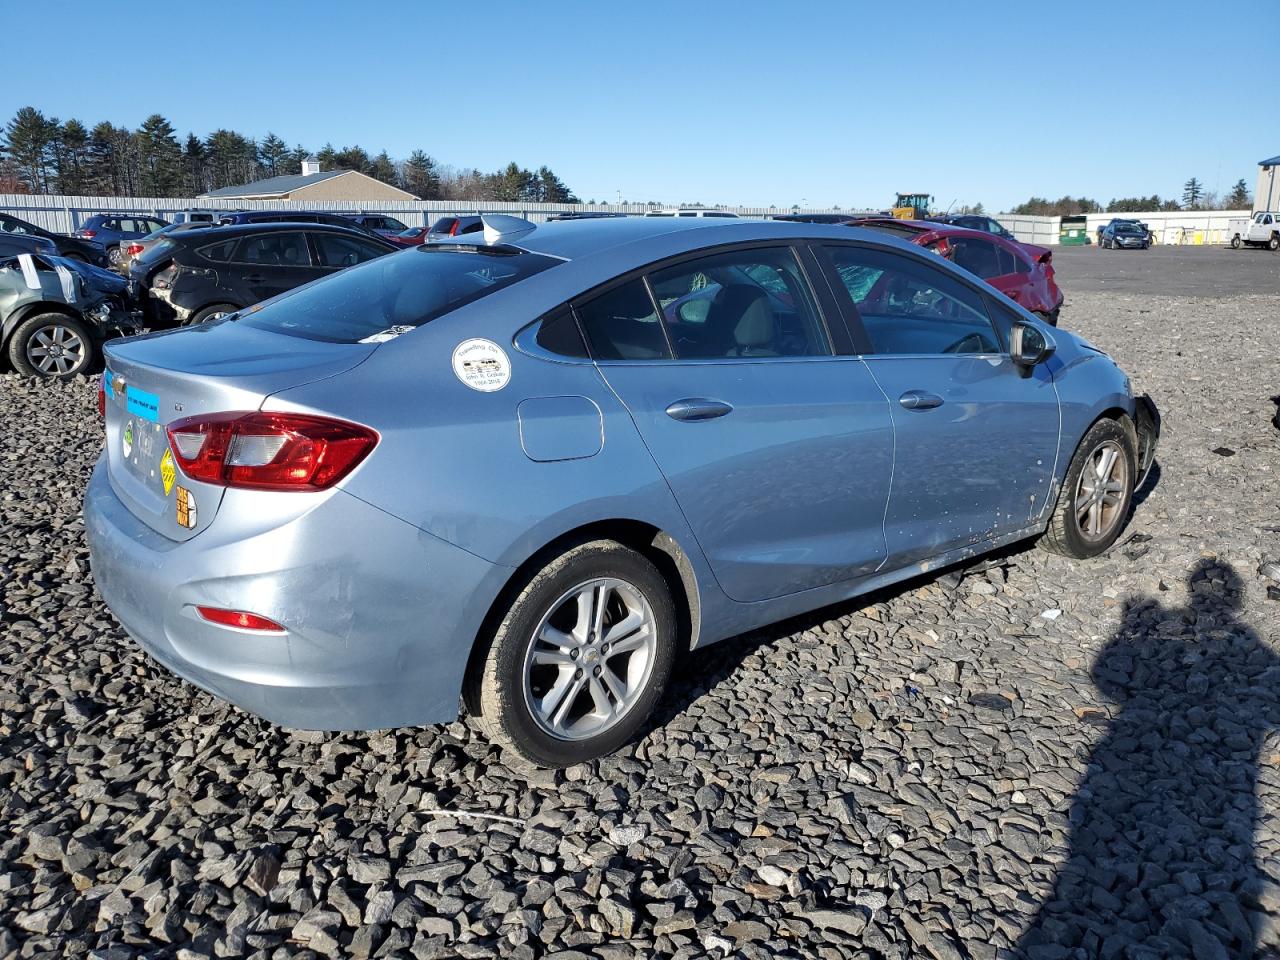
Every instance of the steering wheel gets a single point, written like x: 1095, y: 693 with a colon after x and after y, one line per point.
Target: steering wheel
x: 970, y: 343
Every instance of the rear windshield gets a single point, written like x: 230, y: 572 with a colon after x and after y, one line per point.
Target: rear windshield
x: 443, y: 225
x: 892, y: 228
x: 384, y: 297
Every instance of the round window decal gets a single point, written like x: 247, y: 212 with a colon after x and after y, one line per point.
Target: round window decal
x: 481, y: 365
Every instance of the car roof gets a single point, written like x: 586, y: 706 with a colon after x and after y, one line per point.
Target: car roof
x: 239, y: 229
x: 608, y: 239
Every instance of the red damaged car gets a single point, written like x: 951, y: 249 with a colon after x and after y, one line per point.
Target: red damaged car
x: 1023, y: 272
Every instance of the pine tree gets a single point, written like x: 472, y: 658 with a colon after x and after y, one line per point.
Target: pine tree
x: 1192, y: 191
x: 1239, y: 198
x: 75, y: 143
x: 159, y: 158
x: 421, y: 176
x: 383, y: 168
x: 551, y: 189
x: 273, y: 154
x: 28, y: 141
x: 194, y: 177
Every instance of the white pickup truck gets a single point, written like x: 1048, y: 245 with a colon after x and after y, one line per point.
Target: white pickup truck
x: 1263, y: 230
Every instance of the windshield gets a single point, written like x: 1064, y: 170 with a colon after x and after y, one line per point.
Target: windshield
x: 387, y: 296
x: 1129, y: 228
x: 411, y: 232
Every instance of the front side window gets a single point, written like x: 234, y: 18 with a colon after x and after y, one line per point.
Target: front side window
x: 276, y: 250
x: 621, y: 324
x: 742, y: 304
x: 12, y: 226
x: 338, y: 251
x: 378, y: 300
x: 910, y: 307
x: 390, y: 223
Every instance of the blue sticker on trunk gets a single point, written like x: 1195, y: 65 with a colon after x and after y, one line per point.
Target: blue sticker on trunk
x: 142, y: 404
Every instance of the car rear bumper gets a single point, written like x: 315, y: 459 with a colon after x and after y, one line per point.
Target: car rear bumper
x: 379, y: 616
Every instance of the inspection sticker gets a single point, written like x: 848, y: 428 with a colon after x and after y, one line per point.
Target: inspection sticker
x: 142, y: 404
x: 168, y: 471
x: 185, y: 504
x: 481, y: 365
x: 126, y: 440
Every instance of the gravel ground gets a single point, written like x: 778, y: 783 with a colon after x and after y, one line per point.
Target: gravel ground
x: 1040, y: 759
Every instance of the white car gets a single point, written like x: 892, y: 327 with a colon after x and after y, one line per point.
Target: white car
x: 690, y: 212
x: 1262, y: 231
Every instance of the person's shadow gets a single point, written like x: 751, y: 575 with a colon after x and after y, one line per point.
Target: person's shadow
x: 1162, y: 860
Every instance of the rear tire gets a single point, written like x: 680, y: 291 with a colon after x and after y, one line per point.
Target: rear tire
x: 209, y: 313
x: 1050, y: 317
x: 1096, y: 496
x: 114, y: 257
x: 1235, y: 242
x: 541, y: 688
x: 51, y: 345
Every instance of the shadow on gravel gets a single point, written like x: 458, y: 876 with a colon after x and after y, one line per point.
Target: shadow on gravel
x: 1162, y: 858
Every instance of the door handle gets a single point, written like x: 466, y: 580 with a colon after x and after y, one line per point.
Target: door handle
x: 698, y: 408
x: 920, y: 400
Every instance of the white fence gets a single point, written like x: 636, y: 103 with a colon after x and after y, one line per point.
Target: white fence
x: 1193, y: 227
x: 66, y: 214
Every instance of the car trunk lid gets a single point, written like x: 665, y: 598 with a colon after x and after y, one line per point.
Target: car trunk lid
x: 153, y: 380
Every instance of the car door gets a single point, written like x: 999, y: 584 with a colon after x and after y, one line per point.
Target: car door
x: 778, y: 450
x: 975, y: 437
x: 270, y: 263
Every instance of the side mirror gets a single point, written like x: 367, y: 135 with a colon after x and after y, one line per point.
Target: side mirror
x: 1028, y: 346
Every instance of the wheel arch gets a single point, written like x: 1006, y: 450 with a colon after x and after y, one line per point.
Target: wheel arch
x: 27, y: 310
x: 651, y: 542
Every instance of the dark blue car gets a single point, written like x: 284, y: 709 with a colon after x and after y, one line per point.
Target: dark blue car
x: 109, y: 229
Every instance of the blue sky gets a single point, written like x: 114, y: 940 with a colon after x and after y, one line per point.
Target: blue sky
x: 718, y: 102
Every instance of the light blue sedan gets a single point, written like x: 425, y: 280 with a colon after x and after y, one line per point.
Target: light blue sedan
x: 523, y: 468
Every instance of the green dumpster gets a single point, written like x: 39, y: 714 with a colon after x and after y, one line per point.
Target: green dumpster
x: 1074, y: 231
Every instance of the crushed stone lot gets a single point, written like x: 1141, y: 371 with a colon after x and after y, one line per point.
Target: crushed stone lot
x: 1042, y: 759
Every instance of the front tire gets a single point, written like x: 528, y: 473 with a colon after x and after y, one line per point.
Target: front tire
x: 580, y: 658
x: 51, y: 345
x: 1096, y: 496
x: 1274, y: 243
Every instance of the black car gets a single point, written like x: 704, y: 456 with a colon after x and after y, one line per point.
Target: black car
x: 379, y: 223
x: 197, y: 275
x: 1125, y: 235
x: 975, y: 221
x: 298, y: 216
x: 70, y: 247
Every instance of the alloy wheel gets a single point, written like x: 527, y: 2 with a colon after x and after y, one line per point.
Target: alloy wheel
x: 55, y: 350
x: 590, y: 659
x: 1100, y: 492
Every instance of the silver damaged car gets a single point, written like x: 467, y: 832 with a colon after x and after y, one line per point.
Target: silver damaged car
x: 524, y: 468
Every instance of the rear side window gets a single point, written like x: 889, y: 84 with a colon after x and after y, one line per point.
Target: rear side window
x: 219, y: 252
x: 912, y: 307
x: 623, y: 325
x: 339, y: 251
x: 276, y: 250
x: 559, y: 334
x: 744, y: 304
x: 979, y: 257
x: 376, y: 300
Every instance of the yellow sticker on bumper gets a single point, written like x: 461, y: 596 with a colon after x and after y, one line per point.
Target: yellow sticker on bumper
x: 168, y: 471
x: 185, y: 503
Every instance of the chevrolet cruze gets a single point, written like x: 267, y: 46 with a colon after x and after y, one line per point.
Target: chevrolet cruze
x: 523, y: 468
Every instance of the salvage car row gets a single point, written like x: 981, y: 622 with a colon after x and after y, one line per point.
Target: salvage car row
x: 192, y: 271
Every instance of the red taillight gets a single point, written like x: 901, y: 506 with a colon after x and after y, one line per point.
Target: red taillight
x: 133, y: 249
x: 102, y: 396
x: 88, y: 234
x: 239, y: 619
x: 269, y: 451
x: 453, y: 231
